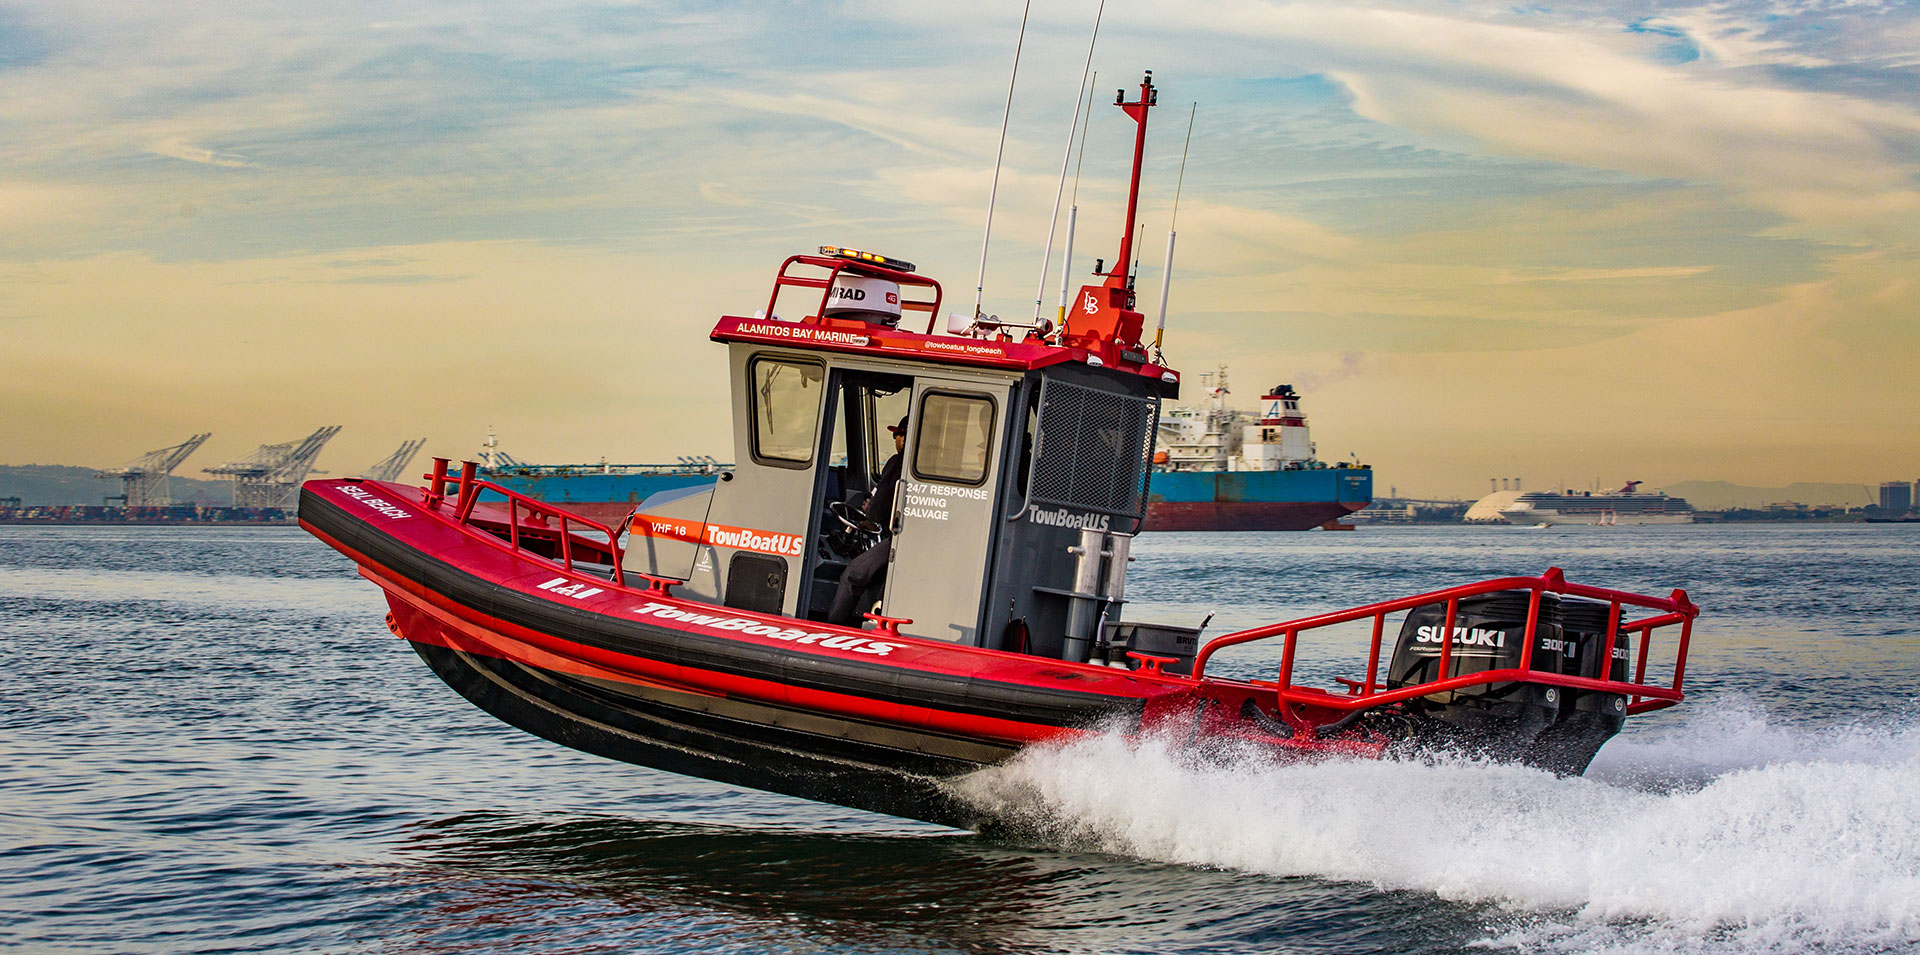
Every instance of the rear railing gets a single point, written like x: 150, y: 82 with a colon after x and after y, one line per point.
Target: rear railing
x: 1675, y: 610
x: 466, y: 488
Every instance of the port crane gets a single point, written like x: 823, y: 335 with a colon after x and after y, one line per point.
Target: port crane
x: 389, y: 468
x: 144, y: 480
x: 271, y: 475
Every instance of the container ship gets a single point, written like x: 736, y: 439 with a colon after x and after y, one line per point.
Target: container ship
x: 1624, y: 506
x: 1217, y: 469
x: 1220, y: 469
x: 604, y: 492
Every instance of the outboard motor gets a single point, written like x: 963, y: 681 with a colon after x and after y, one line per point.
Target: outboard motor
x: 1587, y: 719
x: 1488, y: 631
x: 864, y: 298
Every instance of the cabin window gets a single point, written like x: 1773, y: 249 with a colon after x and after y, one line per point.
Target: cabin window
x: 1028, y: 438
x: 786, y: 410
x: 955, y: 437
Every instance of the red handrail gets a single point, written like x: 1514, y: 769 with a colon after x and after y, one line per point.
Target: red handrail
x: 835, y: 266
x: 1675, y: 609
x: 469, y: 485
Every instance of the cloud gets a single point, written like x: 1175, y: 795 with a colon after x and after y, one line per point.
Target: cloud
x: 1730, y: 40
x: 29, y: 208
x: 313, y: 339
x: 1225, y: 238
x: 190, y: 153
x: 1599, y: 275
x: 1595, y: 99
x: 1352, y: 363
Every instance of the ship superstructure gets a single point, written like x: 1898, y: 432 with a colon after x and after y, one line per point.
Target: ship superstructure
x: 1213, y: 436
x: 1222, y: 468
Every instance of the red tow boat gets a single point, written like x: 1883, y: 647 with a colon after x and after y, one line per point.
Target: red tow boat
x: 714, y: 632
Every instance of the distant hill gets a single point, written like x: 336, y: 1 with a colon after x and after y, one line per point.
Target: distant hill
x: 1722, y: 495
x: 56, y: 484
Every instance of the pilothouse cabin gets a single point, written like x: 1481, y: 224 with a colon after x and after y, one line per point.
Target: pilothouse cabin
x: 1022, y: 480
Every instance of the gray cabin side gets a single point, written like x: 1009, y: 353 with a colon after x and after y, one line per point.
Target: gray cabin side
x: 1018, y: 495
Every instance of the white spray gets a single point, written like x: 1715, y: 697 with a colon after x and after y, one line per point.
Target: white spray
x: 1812, y: 840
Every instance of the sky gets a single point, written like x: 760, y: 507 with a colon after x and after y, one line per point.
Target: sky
x: 1578, y: 243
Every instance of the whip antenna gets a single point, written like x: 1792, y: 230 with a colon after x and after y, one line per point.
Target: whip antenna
x: 1073, y: 210
x: 980, y: 283
x: 1046, y: 257
x: 1166, y: 273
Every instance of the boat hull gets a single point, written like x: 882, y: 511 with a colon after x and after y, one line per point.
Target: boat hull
x: 870, y: 719
x: 696, y: 735
x: 1547, y: 516
x: 852, y: 717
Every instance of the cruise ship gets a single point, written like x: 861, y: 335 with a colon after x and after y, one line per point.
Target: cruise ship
x: 1624, y: 506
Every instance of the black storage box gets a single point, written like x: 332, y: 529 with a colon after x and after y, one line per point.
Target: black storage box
x: 1154, y: 639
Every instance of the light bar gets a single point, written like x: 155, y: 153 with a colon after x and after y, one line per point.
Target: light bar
x: 873, y: 257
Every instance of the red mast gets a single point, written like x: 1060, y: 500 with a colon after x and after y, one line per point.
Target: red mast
x: 1137, y: 111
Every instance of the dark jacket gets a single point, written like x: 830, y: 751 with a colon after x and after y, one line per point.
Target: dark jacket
x: 880, y: 506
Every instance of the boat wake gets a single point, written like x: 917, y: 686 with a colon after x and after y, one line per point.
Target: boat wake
x: 1727, y: 833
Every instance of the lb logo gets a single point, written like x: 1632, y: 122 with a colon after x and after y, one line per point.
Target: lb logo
x: 1092, y: 304
x: 577, y: 591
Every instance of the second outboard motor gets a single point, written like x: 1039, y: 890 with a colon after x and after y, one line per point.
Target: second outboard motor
x: 1587, y: 719
x: 1488, y: 632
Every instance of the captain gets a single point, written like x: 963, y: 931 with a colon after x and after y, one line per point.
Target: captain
x: 871, y: 566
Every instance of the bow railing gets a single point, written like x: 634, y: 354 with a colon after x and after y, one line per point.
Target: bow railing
x: 465, y: 489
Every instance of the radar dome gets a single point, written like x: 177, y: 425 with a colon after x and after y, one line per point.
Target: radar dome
x: 864, y: 298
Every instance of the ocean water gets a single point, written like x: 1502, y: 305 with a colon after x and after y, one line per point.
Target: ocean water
x: 209, y: 743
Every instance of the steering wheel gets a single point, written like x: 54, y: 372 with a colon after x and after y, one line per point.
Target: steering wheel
x: 851, y: 531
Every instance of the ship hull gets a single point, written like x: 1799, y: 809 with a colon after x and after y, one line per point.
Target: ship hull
x: 607, y: 498
x: 1178, y: 500
x: 1240, y: 516
x: 1255, y: 500
x: 1558, y: 517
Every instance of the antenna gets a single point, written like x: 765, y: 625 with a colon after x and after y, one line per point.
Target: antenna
x: 980, y: 283
x: 1166, y: 273
x: 1109, y: 318
x: 1046, y: 255
x: 1073, y: 211
x: 1134, y: 275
